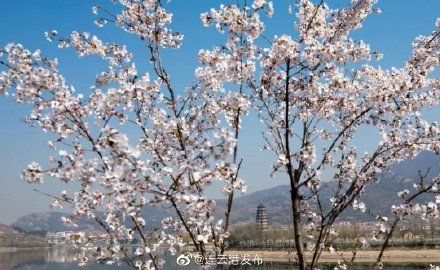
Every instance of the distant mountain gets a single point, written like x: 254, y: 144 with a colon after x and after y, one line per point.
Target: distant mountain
x: 382, y: 195
x: 424, y: 161
x: 379, y: 197
x: 40, y: 223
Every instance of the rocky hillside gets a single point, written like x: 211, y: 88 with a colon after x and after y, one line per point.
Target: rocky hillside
x: 40, y: 223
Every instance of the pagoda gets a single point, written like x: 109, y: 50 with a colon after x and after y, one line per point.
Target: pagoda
x: 261, y: 218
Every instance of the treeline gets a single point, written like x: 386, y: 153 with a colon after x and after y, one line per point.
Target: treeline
x: 412, y: 233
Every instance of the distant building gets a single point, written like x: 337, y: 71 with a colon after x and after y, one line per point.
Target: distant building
x: 261, y: 218
x: 57, y: 238
x: 408, y: 234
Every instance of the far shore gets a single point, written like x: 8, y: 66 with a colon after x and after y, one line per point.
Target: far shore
x: 14, y: 249
x: 393, y: 256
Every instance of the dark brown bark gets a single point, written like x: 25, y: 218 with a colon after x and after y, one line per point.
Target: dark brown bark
x: 295, y: 197
x: 294, y: 177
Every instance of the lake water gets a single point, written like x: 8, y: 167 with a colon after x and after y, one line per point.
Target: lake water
x: 62, y: 259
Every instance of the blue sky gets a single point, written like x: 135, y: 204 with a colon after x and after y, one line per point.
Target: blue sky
x: 26, y: 21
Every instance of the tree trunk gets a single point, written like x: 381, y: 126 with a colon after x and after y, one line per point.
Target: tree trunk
x: 297, y: 226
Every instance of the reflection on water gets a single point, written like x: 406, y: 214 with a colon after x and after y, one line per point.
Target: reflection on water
x: 43, y: 259
x: 63, y: 259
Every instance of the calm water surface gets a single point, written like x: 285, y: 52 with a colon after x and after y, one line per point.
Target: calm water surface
x: 62, y: 259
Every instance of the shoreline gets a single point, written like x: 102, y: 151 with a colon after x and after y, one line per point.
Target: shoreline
x: 15, y: 249
x: 392, y: 256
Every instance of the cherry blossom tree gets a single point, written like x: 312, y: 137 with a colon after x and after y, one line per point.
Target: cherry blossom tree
x: 186, y: 138
x: 314, y: 90
x: 409, y: 207
x: 315, y: 94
